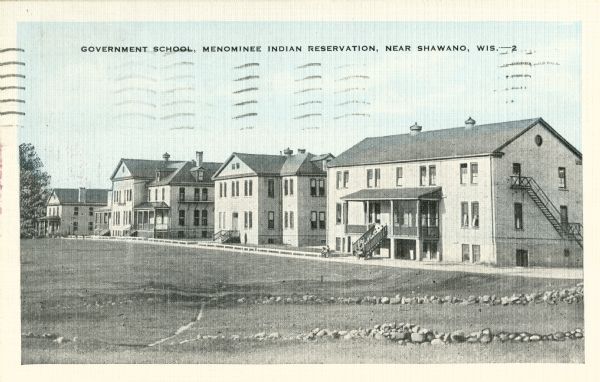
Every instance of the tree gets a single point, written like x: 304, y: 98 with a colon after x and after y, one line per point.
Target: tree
x: 34, y: 188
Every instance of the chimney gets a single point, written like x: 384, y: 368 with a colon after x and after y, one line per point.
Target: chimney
x: 301, y: 151
x: 288, y: 152
x: 166, y: 157
x: 82, y: 195
x: 469, y: 123
x: 199, y: 157
x: 415, y: 129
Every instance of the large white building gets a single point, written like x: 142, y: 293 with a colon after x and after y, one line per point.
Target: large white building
x: 506, y: 193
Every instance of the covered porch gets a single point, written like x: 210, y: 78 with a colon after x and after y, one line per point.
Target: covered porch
x: 48, y: 225
x: 410, y: 214
x: 150, y: 217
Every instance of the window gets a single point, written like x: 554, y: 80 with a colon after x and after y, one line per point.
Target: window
x: 91, y: 211
x: 369, y: 178
x: 476, y: 250
x: 398, y: 176
x: 518, y: 216
x: 313, y: 187
x: 377, y: 177
x: 232, y: 188
x: 516, y: 169
x: 224, y: 189
x: 313, y: 219
x: 245, y: 188
x: 271, y: 220
x: 285, y: 187
x: 338, y: 213
x: 475, y: 214
x: 245, y: 219
x: 291, y: 186
x: 220, y: 190
x: 466, y: 256
x: 338, y: 244
x: 163, y: 194
x: 75, y: 227
x: 196, y: 217
x: 321, y: 187
x: 346, y: 178
x: 422, y: 175
x: 155, y: 194
x: 196, y: 194
x: 463, y: 173
x: 181, y: 217
x: 271, y: 188
x: 205, y: 194
x: 291, y: 219
x: 75, y: 211
x: 250, y: 187
x: 432, y: 174
x: 464, y: 208
x: 204, y: 234
x: 474, y: 173
x: 338, y: 179
x: 250, y: 219
x: 147, y: 195
x: 90, y: 226
x: 233, y: 166
x: 562, y: 177
x: 204, y: 217
x: 181, y: 193
x: 237, y: 188
x: 321, y: 220
x: 285, y: 219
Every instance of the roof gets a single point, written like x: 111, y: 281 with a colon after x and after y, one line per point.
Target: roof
x: 396, y: 193
x: 321, y: 157
x: 151, y: 205
x: 145, y: 168
x: 92, y: 195
x: 280, y: 165
x: 446, y: 143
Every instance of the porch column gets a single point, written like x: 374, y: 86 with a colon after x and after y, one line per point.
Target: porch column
x: 418, y: 241
x: 391, y: 227
x: 367, y: 213
x: 392, y: 248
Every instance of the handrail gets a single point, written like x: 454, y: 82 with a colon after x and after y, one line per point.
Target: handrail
x: 359, y: 243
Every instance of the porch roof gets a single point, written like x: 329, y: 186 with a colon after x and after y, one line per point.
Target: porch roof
x: 51, y: 217
x: 395, y: 194
x: 152, y: 206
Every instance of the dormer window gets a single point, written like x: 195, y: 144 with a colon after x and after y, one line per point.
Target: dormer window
x: 200, y: 175
x: 157, y: 176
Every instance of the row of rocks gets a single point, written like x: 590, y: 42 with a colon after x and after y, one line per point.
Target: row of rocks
x: 567, y: 295
x: 56, y: 338
x: 405, y: 334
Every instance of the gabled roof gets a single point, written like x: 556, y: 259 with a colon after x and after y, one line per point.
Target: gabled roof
x: 446, y: 143
x: 144, y: 168
x: 321, y: 157
x: 276, y: 165
x: 401, y: 193
x: 71, y: 196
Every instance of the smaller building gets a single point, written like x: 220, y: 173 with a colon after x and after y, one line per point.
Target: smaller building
x: 71, y: 211
x: 272, y: 199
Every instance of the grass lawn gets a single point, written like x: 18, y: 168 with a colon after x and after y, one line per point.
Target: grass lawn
x: 146, y: 292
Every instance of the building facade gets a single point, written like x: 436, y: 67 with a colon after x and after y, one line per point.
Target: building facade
x: 505, y: 193
x: 272, y: 199
x: 71, y: 211
x: 165, y: 198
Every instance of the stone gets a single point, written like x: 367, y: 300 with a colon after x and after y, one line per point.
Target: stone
x: 274, y: 335
x: 385, y: 300
x: 486, y: 331
x: 485, y: 339
x: 241, y: 300
x: 348, y: 336
x: 559, y: 336
x: 417, y: 337
x: 485, y: 299
x: 60, y: 340
x: 458, y: 336
x: 395, y: 301
x: 505, y: 301
x: 260, y: 335
x: 342, y: 333
x: 321, y: 333
x: 578, y: 335
x: 378, y: 336
x: 535, y: 338
x: 437, y: 341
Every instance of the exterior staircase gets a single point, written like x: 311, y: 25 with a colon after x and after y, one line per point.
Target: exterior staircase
x: 569, y: 231
x: 227, y: 236
x: 369, y: 241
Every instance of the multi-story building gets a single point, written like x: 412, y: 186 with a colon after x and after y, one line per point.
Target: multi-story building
x: 165, y: 198
x: 505, y: 193
x: 272, y: 199
x: 70, y: 211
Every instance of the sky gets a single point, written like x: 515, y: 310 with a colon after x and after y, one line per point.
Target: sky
x: 86, y: 110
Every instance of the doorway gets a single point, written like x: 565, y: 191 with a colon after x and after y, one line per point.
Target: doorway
x: 564, y: 217
x: 406, y: 249
x: 522, y: 258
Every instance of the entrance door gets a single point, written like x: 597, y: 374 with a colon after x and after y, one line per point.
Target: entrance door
x: 374, y: 213
x: 564, y: 217
x: 234, y: 221
x: 516, y: 169
x: 522, y: 258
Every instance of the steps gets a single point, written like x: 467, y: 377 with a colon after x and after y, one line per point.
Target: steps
x: 569, y: 231
x: 227, y: 236
x: 370, y: 241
